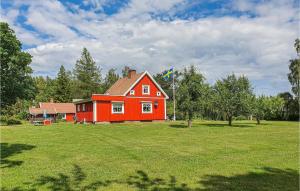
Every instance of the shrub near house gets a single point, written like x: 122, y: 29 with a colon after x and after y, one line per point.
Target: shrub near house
x: 136, y: 97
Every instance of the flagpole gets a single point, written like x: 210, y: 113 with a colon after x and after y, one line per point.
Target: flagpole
x: 174, y: 102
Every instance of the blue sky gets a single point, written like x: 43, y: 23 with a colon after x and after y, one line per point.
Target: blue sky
x: 252, y: 38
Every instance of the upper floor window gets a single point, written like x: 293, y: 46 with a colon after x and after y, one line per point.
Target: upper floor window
x: 117, y: 107
x: 83, y: 107
x: 131, y: 92
x: 78, y: 107
x: 146, y: 89
x: 158, y: 93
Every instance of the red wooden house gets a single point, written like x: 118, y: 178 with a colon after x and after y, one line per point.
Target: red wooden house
x: 136, y: 97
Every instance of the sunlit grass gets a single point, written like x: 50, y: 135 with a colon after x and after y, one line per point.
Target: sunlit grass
x: 159, y: 149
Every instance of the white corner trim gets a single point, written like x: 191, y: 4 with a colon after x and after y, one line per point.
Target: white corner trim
x: 157, y: 85
x: 165, y: 109
x: 94, y: 111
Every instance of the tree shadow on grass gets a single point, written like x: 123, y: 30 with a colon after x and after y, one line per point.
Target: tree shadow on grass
x: 74, y: 181
x: 178, y: 126
x: 226, y: 125
x: 8, y: 150
x: 269, y: 179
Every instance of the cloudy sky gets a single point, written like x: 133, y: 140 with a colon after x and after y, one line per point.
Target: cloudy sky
x: 220, y: 37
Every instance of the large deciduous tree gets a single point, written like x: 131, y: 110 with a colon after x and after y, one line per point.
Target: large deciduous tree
x: 15, y: 72
x: 191, y: 93
x: 233, y: 96
x: 87, y: 75
x: 294, y: 75
x: 62, y: 86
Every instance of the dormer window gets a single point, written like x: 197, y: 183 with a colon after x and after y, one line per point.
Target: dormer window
x: 158, y: 94
x: 146, y: 89
x: 131, y: 92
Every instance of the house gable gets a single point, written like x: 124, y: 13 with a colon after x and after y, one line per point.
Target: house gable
x: 146, y: 80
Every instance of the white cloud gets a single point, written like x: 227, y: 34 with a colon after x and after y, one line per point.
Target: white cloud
x: 258, y: 47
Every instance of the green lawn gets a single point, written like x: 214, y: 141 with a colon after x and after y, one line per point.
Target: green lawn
x: 151, y: 156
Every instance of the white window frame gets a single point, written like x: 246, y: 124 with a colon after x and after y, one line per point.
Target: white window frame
x: 143, y: 86
x: 78, y: 107
x: 112, y: 107
x: 132, y: 92
x: 64, y: 116
x: 143, y: 103
x: 158, y: 93
x: 83, y: 107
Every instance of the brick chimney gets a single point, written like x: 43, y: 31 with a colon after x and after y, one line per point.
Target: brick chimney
x: 131, y: 73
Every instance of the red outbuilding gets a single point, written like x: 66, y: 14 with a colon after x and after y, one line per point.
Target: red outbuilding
x: 137, y: 97
x: 51, y: 111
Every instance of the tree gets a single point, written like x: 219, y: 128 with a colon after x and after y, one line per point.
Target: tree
x: 110, y: 78
x: 288, y: 101
x: 125, y: 71
x: 87, y: 75
x: 259, y: 108
x: 15, y: 72
x: 294, y: 75
x: 233, y: 96
x: 45, y: 89
x: 167, y: 84
x: 62, y: 86
x: 274, y: 107
x: 191, y: 93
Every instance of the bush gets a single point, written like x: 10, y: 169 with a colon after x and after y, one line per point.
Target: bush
x: 5, y: 120
x: 13, y: 121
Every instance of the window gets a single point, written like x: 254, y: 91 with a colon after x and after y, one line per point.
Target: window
x: 64, y: 116
x: 158, y: 93
x: 131, y: 92
x: 146, y: 89
x: 147, y: 107
x: 83, y: 107
x: 78, y: 107
x: 117, y: 107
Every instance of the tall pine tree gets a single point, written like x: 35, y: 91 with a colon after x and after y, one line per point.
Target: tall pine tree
x: 87, y: 75
x: 63, y: 86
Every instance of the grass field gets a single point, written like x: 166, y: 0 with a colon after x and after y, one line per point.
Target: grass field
x: 151, y: 156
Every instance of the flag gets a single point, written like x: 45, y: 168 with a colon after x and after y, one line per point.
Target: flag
x: 168, y: 74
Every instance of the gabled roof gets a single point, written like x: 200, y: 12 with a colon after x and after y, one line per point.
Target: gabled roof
x: 124, y: 85
x: 59, y: 107
x: 36, y: 111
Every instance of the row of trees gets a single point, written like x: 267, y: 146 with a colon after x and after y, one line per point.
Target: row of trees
x: 228, y: 98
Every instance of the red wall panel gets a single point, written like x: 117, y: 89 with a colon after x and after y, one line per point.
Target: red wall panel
x: 86, y: 115
x: 69, y: 116
x: 132, y: 110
